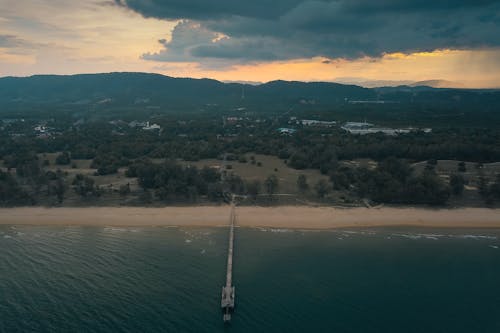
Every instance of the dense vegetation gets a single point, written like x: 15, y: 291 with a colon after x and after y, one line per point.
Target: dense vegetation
x: 101, y: 118
x: 394, y: 182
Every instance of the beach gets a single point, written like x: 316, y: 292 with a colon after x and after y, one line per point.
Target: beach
x: 296, y: 217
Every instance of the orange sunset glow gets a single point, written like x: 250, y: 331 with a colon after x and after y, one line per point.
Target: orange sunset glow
x: 92, y: 36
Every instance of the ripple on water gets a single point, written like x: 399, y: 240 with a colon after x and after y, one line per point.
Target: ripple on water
x: 102, y: 280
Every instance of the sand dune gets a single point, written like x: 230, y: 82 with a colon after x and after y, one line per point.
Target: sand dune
x: 278, y: 217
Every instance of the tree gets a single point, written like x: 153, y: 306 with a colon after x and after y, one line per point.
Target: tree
x: 85, y: 186
x: 192, y: 193
x: 494, y: 189
x: 124, y: 189
x: 59, y: 189
x: 253, y: 189
x: 215, y: 192
x: 63, y: 158
x: 461, y: 167
x: 483, y: 186
x: 457, y: 183
x: 271, y: 184
x: 146, y: 197
x: 427, y: 189
x: 299, y: 160
x: 235, y: 183
x: 107, y: 164
x: 322, y: 188
x: 11, y: 193
x: 432, y: 161
x: 302, y: 184
x: 29, y: 169
x: 107, y: 169
x: 398, y: 168
x: 342, y: 178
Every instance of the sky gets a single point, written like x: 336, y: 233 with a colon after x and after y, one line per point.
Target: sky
x: 358, y: 41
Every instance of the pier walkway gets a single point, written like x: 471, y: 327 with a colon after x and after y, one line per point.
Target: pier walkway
x: 227, y: 301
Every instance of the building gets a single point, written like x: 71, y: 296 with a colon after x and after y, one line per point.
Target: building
x: 151, y: 127
x: 319, y: 123
x: 284, y: 130
x: 366, y: 128
x: 356, y: 126
x: 40, y: 129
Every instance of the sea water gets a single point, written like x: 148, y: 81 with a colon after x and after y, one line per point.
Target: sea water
x: 164, y: 279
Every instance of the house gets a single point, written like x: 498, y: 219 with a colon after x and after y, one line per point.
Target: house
x: 40, y: 129
x: 151, y: 127
x: 284, y: 130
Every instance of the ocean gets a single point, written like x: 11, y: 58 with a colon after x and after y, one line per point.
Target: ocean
x: 169, y: 279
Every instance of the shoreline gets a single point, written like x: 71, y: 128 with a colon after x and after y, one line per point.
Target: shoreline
x: 291, y: 217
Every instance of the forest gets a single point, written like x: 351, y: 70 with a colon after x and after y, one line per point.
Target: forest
x: 85, y: 138
x: 156, y: 160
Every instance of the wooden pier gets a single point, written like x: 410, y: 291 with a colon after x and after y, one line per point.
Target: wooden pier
x: 227, y: 300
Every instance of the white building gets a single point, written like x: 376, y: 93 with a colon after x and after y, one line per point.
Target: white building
x: 353, y: 125
x: 309, y: 122
x: 366, y: 128
x: 151, y: 127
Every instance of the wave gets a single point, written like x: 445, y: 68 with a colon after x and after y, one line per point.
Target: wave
x: 420, y: 236
x: 476, y: 237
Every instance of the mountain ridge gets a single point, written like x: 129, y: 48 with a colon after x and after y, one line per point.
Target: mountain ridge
x: 134, y: 89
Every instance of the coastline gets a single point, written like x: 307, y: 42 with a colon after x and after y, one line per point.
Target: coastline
x: 293, y: 217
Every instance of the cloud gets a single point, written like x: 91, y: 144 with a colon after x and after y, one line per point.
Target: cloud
x: 17, y: 45
x: 260, y: 30
x: 186, y: 36
x: 204, y: 10
x: 9, y: 41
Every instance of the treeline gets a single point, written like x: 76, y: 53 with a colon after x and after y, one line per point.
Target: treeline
x: 169, y: 181
x: 172, y: 182
x: 394, y: 182
x: 490, y: 192
x: 308, y: 148
x: 312, y: 151
x: 30, y: 182
x: 11, y: 193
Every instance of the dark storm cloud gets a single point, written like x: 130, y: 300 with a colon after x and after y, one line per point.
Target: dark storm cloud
x: 209, y: 9
x: 260, y: 30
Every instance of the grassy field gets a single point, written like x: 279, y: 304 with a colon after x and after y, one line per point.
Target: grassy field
x: 269, y: 165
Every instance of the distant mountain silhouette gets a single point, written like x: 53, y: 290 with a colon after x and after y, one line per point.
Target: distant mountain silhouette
x: 397, y: 83
x: 159, y: 89
x: 141, y: 90
x: 438, y: 84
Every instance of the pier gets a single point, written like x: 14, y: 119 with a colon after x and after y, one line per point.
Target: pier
x: 227, y: 300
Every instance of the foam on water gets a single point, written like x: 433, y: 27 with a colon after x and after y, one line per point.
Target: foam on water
x: 475, y: 237
x: 419, y: 236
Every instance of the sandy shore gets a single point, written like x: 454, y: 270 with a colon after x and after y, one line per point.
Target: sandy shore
x: 276, y: 217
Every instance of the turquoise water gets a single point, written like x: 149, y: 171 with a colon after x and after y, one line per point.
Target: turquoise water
x: 96, y: 279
